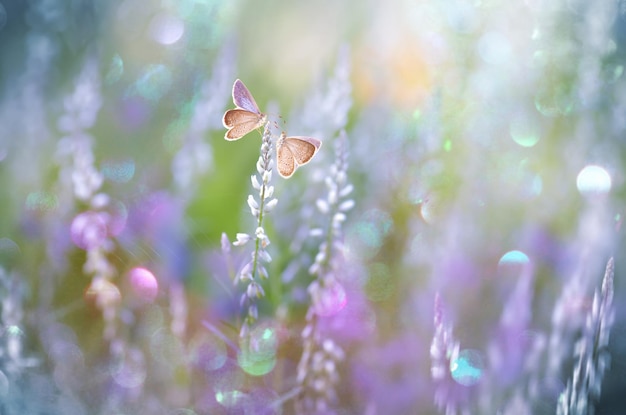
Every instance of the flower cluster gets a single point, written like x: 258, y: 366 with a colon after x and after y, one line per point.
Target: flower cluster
x: 254, y: 270
x: 91, y: 230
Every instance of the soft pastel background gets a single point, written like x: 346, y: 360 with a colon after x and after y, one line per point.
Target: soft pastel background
x: 485, y: 144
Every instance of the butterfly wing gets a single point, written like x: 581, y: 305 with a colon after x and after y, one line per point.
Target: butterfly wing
x: 285, y: 161
x: 243, y: 98
x: 302, y: 148
x: 240, y: 122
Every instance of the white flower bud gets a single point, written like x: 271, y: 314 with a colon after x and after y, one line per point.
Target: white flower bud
x: 255, y: 182
x: 270, y: 205
x: 242, y: 239
x: 347, y: 205
x: 322, y: 205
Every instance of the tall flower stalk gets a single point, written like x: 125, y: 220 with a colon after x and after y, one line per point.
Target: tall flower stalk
x: 591, y: 352
x: 317, y: 372
x: 253, y: 272
x: 91, y: 229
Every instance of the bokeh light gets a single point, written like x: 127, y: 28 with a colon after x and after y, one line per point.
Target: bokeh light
x: 593, y: 181
x: 41, y: 201
x: 431, y: 209
x: 525, y: 130
x: 144, y: 284
x: 367, y: 235
x: 227, y: 383
x: 467, y: 368
x: 166, y: 28
x: 119, y: 171
x: 257, y: 354
x: 167, y: 348
x: 207, y: 352
x: 513, y: 264
x: 155, y: 82
x: 494, y: 48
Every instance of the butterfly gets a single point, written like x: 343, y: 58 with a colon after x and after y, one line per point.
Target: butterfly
x: 295, y: 151
x: 246, y: 117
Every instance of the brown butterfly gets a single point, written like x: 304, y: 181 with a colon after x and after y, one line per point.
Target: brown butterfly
x: 246, y: 117
x: 295, y: 151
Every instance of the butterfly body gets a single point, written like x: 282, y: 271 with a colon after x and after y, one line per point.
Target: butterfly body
x: 246, y: 117
x: 294, y: 151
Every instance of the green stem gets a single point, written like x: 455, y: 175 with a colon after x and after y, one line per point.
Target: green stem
x: 259, y: 223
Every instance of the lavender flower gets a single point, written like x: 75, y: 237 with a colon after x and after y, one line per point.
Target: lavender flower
x: 443, y: 349
x: 317, y: 372
x: 254, y: 271
x: 591, y: 351
x: 90, y: 230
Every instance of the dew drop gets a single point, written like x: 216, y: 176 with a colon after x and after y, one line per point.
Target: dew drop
x: 467, y: 368
x: 524, y: 130
x: 513, y: 264
x: 431, y: 209
x: 257, y: 355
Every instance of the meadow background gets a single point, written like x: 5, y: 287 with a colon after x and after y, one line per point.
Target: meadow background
x: 448, y: 250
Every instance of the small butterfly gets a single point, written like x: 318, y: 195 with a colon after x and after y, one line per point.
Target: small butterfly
x: 295, y: 151
x: 246, y: 117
